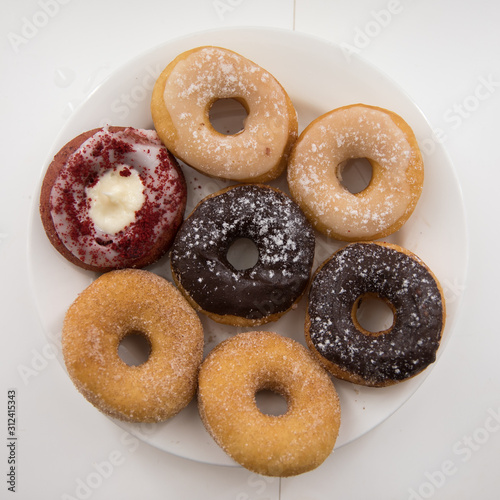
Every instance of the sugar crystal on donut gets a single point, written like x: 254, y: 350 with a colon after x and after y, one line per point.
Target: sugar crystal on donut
x: 124, y: 302
x: 292, y: 443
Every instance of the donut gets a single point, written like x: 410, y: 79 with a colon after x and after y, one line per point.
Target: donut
x: 184, y: 94
x: 272, y: 445
x: 354, y: 132
x: 113, y: 198
x: 126, y: 302
x: 244, y: 297
x: 399, y: 278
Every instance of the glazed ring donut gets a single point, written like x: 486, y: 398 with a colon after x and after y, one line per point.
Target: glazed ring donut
x: 350, y: 132
x: 405, y: 283
x: 272, y: 445
x: 245, y: 297
x: 180, y: 106
x: 133, y: 301
x: 113, y: 198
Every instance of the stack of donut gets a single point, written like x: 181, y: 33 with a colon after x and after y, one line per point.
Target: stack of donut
x: 113, y: 201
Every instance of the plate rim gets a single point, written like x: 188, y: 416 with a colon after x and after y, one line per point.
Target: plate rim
x: 276, y: 32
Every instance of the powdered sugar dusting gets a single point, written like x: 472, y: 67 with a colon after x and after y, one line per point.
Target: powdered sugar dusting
x: 285, y: 242
x: 348, y: 133
x: 362, y: 268
x: 213, y: 73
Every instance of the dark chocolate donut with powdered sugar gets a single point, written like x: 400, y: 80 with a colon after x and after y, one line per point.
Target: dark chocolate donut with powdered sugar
x: 405, y: 283
x: 253, y: 296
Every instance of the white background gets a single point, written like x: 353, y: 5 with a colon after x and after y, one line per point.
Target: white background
x: 444, y: 443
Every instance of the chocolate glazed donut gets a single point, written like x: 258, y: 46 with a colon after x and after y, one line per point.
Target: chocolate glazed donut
x: 247, y: 297
x: 405, y: 283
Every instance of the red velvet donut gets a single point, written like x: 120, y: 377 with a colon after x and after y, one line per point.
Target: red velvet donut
x: 130, y: 155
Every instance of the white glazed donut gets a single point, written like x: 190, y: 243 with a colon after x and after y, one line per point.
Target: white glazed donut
x: 350, y: 132
x: 180, y: 106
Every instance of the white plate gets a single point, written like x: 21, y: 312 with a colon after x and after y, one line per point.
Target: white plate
x: 318, y: 77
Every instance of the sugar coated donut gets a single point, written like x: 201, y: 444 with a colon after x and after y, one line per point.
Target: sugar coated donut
x: 246, y: 297
x: 272, y: 445
x: 121, y: 303
x: 184, y: 94
x: 405, y: 283
x: 347, y: 133
x: 113, y: 198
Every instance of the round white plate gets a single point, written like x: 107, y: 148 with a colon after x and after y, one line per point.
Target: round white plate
x: 318, y: 77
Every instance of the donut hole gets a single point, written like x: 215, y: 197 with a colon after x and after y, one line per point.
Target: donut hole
x: 242, y: 254
x: 227, y: 116
x: 373, y: 315
x: 271, y: 402
x: 355, y: 174
x: 134, y: 348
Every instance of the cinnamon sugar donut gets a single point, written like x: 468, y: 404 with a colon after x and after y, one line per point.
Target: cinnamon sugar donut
x: 350, y: 132
x: 405, y: 283
x: 245, y: 297
x: 180, y: 106
x: 272, y: 445
x: 113, y: 198
x: 124, y: 302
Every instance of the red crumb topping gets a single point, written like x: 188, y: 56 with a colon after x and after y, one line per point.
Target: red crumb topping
x: 84, y: 169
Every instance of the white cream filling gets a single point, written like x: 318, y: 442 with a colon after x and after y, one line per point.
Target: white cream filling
x: 115, y: 199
